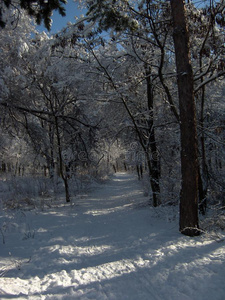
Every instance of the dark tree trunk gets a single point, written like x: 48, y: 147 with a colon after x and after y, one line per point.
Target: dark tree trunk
x: 138, y: 172
x: 189, y: 159
x: 154, y: 158
x: 63, y: 175
x: 203, y: 171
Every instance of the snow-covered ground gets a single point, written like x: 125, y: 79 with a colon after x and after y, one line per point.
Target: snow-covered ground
x: 108, y: 245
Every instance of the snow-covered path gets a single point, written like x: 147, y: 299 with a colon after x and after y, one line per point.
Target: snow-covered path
x: 109, y: 246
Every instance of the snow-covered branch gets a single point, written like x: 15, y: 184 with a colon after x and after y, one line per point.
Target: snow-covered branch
x: 208, y: 80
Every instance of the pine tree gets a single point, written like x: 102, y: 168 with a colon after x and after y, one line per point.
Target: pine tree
x: 41, y: 10
x: 189, y: 159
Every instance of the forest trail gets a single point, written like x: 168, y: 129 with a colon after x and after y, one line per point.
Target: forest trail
x: 109, y: 246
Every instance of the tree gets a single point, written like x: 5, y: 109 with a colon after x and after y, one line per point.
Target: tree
x: 115, y: 66
x: 41, y: 94
x: 41, y: 10
x: 189, y: 157
x: 115, y: 16
x: 129, y: 93
x: 207, y: 51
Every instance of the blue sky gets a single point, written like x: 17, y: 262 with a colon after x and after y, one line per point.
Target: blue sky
x: 59, y: 22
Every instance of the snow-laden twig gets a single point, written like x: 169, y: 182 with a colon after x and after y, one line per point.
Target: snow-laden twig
x: 208, y: 80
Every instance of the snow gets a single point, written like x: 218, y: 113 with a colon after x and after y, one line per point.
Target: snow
x: 108, y: 244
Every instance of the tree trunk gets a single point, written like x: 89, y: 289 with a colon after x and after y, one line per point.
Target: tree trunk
x: 64, y: 176
x: 154, y: 160
x: 203, y: 171
x: 189, y: 159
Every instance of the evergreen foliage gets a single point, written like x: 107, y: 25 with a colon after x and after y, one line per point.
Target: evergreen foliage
x: 41, y: 10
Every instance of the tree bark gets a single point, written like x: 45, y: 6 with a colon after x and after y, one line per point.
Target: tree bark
x: 203, y: 172
x: 154, y: 160
x: 189, y: 159
x: 64, y: 176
